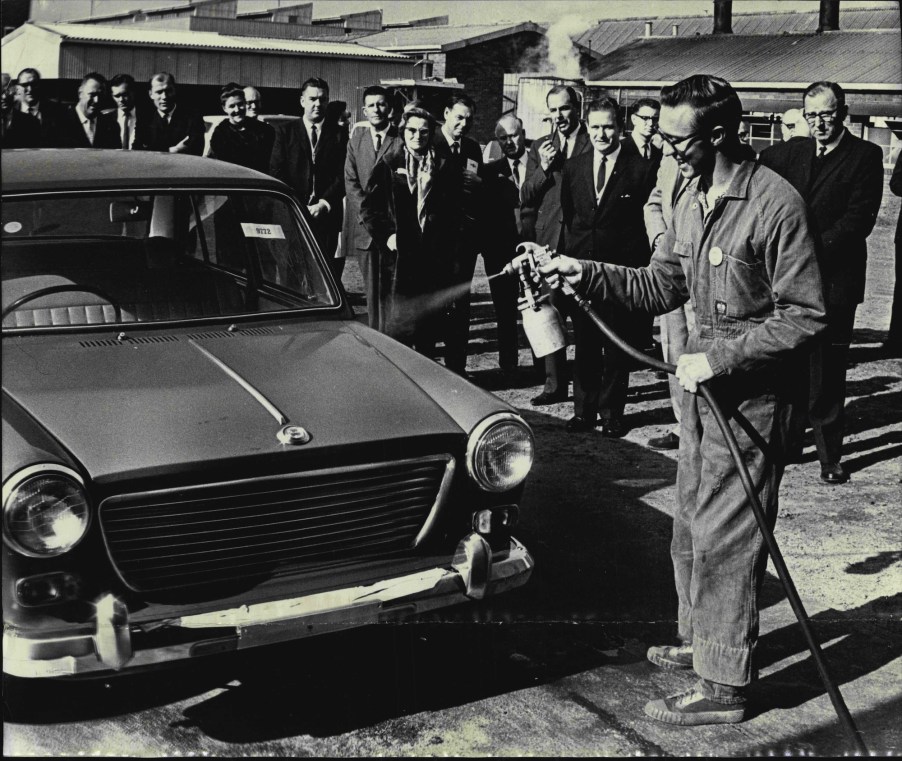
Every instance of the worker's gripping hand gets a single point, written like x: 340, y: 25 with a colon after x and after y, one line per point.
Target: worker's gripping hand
x: 692, y: 369
x: 560, y: 268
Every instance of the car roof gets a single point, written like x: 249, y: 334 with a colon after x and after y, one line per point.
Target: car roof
x: 36, y: 170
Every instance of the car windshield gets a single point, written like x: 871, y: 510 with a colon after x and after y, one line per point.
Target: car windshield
x: 90, y: 259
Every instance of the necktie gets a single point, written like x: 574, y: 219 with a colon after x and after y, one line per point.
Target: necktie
x: 821, y: 151
x: 313, y: 137
x: 599, y: 180
x: 645, y: 151
x: 455, y: 149
x: 515, y: 172
x: 378, y: 142
x: 126, y: 133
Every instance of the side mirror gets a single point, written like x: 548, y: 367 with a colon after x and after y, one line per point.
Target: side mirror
x: 130, y: 211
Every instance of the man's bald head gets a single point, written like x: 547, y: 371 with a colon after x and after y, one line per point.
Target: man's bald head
x: 509, y: 134
x: 793, y: 124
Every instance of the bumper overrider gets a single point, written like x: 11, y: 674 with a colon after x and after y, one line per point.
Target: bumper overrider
x: 473, y: 574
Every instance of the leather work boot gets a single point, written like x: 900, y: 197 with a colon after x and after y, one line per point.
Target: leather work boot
x: 693, y: 707
x: 671, y: 657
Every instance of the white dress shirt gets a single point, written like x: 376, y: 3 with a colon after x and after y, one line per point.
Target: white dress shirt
x: 121, y: 117
x: 88, y: 125
x: 608, y: 169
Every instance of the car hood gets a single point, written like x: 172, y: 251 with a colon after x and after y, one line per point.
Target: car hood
x: 171, y: 401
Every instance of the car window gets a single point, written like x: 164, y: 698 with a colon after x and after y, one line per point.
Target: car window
x: 123, y: 258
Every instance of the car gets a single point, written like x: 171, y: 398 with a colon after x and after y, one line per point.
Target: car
x: 203, y: 449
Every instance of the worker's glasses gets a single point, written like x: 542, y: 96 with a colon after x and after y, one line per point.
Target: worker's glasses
x: 824, y: 116
x: 648, y: 119
x: 679, y: 153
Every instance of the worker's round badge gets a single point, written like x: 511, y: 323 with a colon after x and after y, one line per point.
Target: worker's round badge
x: 715, y: 256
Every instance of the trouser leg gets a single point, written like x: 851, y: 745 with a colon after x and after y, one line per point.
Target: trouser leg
x: 504, y: 299
x: 718, y: 548
x: 370, y: 270
x: 457, y: 330
x: 827, y: 393
x: 895, y: 324
x: 588, y: 367
x: 557, y: 373
x: 616, y: 374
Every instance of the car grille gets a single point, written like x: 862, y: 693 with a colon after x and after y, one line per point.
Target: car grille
x: 206, y: 534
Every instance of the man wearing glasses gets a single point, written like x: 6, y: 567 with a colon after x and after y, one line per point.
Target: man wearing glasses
x: 840, y: 177
x: 739, y: 248
x: 645, y: 121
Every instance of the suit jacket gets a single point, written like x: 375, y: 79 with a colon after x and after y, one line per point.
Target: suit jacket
x: 655, y: 154
x: 612, y: 230
x: 843, y: 198
x: 52, y: 113
x: 312, y: 178
x: 540, y: 194
x: 154, y: 134
x: 359, y: 162
x: 23, y: 131
x: 425, y: 257
x: 503, y: 227
x: 71, y: 133
x: 472, y: 197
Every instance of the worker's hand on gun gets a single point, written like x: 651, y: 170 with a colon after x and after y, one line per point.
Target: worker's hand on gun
x: 692, y: 369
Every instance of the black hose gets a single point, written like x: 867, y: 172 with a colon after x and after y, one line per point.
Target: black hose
x: 842, y: 711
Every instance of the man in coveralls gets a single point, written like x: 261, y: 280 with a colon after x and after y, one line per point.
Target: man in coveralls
x: 739, y: 248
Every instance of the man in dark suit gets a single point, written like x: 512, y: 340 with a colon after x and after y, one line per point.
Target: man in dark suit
x: 32, y: 102
x: 309, y: 157
x: 840, y: 177
x: 465, y: 156
x: 503, y: 229
x: 17, y: 129
x: 639, y: 142
x: 169, y: 127
x: 602, y: 197
x: 540, y: 208
x: 83, y: 125
x: 368, y: 144
x: 124, y: 92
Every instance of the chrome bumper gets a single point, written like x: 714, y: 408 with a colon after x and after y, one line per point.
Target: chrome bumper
x: 473, y: 575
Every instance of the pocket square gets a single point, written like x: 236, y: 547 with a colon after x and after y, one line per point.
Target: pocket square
x: 401, y: 171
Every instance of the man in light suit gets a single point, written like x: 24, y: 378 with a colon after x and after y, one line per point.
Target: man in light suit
x: 83, y: 125
x: 602, y: 196
x: 368, y: 144
x: 503, y: 230
x: 840, y: 177
x: 171, y: 128
x: 678, y: 324
x: 540, y: 208
x: 309, y: 157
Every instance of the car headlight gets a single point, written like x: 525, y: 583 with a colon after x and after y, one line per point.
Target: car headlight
x: 45, y: 510
x: 500, y: 452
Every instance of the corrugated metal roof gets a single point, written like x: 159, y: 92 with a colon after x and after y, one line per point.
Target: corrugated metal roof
x: 612, y: 34
x: 209, y: 40
x: 845, y: 57
x: 436, y: 37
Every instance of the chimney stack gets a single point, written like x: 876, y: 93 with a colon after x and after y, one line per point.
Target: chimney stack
x: 723, y: 17
x: 829, y: 16
x: 648, y: 28
x: 675, y: 30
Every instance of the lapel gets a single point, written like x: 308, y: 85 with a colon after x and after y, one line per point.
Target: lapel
x: 834, y: 160
x: 388, y: 141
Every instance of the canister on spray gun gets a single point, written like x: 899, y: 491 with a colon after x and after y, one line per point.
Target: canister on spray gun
x: 541, y: 321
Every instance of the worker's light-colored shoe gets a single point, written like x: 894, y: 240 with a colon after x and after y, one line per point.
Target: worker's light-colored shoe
x: 671, y: 657
x: 692, y: 708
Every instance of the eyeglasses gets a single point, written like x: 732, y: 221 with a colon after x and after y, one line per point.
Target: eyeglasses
x: 690, y: 140
x: 414, y: 131
x: 647, y: 119
x: 825, y: 116
x: 789, y: 125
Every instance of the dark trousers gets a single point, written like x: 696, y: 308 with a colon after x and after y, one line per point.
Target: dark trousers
x: 371, y: 265
x: 557, y: 372
x: 457, y: 318
x: 337, y: 266
x: 826, y: 392
x: 895, y: 323
x: 601, y: 371
x: 504, y: 298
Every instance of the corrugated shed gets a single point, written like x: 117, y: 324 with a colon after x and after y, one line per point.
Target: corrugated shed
x: 119, y: 35
x: 845, y: 57
x: 436, y: 37
x: 610, y: 35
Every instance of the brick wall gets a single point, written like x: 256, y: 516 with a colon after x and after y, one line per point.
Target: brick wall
x: 482, y: 68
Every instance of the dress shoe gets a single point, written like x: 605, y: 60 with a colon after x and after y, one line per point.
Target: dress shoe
x: 578, y: 424
x: 547, y: 398
x: 834, y: 474
x: 670, y: 441
x: 613, y: 429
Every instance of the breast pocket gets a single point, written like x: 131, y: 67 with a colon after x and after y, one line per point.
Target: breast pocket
x: 745, y: 287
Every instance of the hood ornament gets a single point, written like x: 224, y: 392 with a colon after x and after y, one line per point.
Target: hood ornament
x: 293, y: 434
